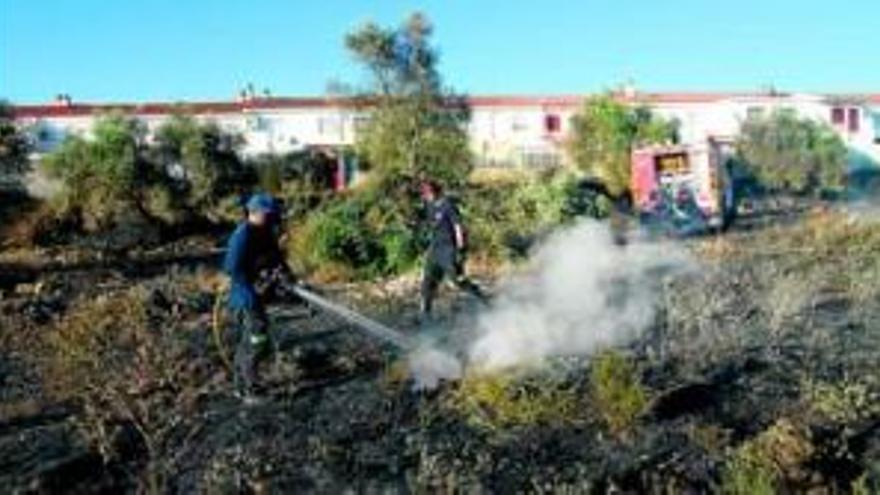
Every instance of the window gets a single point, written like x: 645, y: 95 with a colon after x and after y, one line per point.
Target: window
x: 837, y: 116
x: 518, y: 124
x: 754, y: 113
x: 44, y: 135
x: 539, y: 158
x: 361, y: 122
x: 854, y: 118
x: 552, y: 123
x: 257, y: 123
x: 877, y: 128
x: 328, y: 125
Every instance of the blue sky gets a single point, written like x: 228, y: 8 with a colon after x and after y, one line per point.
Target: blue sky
x: 114, y: 50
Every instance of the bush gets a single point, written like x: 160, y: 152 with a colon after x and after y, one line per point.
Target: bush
x: 117, y: 176
x: 617, y: 391
x: 199, y: 161
x: 844, y: 402
x: 416, y: 128
x: 747, y: 475
x: 374, y: 230
x: 362, y: 233
x: 503, y: 400
x: 14, y: 146
x: 604, y: 133
x: 504, y: 219
x: 789, y: 154
x: 765, y: 462
x: 122, y: 358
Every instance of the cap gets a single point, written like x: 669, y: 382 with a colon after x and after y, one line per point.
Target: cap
x: 262, y: 202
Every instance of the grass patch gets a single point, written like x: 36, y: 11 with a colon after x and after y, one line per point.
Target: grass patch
x: 763, y: 464
x: 132, y: 369
x: 846, y: 401
x: 617, y: 392
x: 504, y: 400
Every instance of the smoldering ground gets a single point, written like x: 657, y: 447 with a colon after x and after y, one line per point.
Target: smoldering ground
x: 579, y: 291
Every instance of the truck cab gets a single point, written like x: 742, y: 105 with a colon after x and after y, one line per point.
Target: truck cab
x: 685, y: 188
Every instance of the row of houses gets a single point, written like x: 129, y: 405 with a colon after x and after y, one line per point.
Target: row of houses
x: 505, y: 131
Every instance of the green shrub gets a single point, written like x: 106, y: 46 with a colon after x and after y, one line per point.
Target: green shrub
x: 355, y: 232
x: 788, y: 153
x: 504, y: 400
x: 617, y: 391
x: 105, y: 175
x: 767, y: 461
x: 118, y: 175
x: 604, y: 133
x: 270, y: 177
x: 505, y: 218
x: 843, y: 402
x: 744, y: 474
x: 373, y: 232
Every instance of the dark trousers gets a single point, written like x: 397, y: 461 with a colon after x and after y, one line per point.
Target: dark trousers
x: 438, y: 268
x: 253, y: 342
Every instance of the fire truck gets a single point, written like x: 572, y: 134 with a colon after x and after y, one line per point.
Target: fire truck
x: 685, y: 189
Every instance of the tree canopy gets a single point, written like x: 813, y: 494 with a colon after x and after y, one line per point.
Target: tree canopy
x: 184, y: 171
x: 200, y: 159
x: 14, y: 146
x: 604, y: 133
x: 416, y: 128
x: 787, y: 153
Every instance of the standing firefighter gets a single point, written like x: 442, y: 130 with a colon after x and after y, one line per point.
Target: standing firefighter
x: 445, y: 257
x: 252, y: 253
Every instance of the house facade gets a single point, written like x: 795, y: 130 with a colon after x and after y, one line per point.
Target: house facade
x: 505, y: 131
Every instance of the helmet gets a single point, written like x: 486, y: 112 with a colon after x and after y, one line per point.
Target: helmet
x: 262, y: 202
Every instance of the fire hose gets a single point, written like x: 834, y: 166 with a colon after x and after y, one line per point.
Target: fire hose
x: 357, y: 320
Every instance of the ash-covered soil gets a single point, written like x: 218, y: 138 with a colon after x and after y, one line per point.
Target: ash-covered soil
x: 770, y: 349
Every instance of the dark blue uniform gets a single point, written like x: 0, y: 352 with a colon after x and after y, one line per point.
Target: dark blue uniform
x: 251, y: 250
x: 444, y: 217
x: 445, y: 259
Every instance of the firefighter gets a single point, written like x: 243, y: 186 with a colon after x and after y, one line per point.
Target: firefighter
x: 253, y: 257
x: 445, y: 256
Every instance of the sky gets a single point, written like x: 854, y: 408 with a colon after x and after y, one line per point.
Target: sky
x: 171, y: 50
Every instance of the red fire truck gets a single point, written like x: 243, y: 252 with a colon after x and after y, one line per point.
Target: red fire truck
x: 687, y: 188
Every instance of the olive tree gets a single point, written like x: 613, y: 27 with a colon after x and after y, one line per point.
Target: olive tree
x: 604, y: 133
x: 415, y: 127
x: 790, y: 154
x: 201, y: 160
x: 14, y: 146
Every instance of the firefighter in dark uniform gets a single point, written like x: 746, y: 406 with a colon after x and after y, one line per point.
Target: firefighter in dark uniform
x: 253, y: 258
x: 445, y: 256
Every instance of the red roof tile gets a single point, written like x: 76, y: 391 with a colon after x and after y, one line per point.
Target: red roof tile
x: 226, y: 107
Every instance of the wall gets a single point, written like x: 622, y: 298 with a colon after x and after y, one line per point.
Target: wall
x: 505, y: 132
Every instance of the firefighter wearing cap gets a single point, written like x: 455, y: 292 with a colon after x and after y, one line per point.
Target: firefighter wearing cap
x: 445, y: 256
x: 252, y: 250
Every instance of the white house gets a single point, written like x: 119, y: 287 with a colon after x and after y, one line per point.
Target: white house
x: 506, y: 131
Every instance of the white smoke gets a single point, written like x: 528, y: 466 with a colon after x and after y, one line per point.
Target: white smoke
x: 430, y: 365
x: 40, y: 186
x: 580, y: 292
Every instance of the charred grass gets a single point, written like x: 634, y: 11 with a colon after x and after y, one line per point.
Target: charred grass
x: 758, y: 376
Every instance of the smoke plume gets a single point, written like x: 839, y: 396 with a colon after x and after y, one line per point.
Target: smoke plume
x: 430, y: 365
x: 580, y: 292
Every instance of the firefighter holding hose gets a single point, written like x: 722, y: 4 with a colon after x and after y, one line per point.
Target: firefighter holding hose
x: 253, y: 257
x: 446, y: 254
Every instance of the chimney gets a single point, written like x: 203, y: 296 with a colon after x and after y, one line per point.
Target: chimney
x: 63, y: 100
x: 629, y: 90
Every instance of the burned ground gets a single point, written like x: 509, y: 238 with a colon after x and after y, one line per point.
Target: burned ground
x: 760, y: 364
